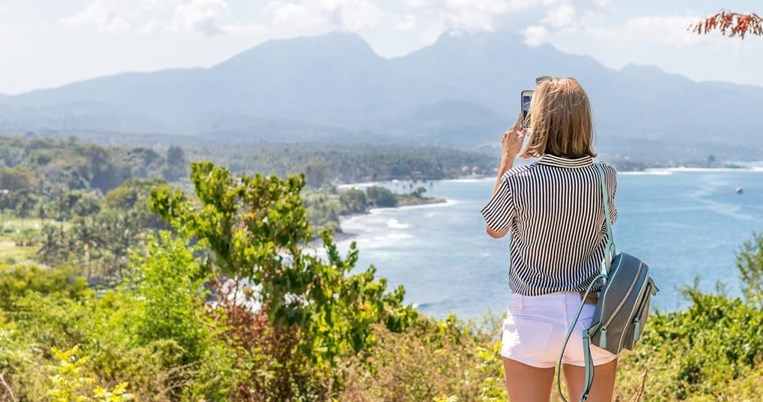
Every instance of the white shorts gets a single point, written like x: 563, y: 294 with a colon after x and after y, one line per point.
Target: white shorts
x: 534, y: 331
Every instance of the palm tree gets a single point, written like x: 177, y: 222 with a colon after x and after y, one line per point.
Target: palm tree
x: 42, y: 212
x: 86, y: 241
x: 52, y: 246
x: 119, y: 235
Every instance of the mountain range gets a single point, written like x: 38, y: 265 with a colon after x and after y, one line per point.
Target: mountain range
x: 462, y: 91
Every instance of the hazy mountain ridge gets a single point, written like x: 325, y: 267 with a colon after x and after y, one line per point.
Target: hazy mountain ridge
x: 460, y: 91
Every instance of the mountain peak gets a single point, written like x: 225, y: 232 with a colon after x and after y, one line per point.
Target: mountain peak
x: 641, y: 68
x: 335, y: 44
x: 344, y: 40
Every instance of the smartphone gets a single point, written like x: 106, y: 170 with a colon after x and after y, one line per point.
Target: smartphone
x: 527, y: 97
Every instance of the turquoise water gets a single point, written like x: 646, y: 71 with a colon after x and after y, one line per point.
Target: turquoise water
x: 684, y: 224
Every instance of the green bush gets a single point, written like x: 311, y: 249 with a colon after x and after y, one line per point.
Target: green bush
x: 71, y: 382
x: 381, y: 197
x: 19, y: 280
x: 155, y: 334
x: 318, y: 312
x: 750, y: 266
x: 353, y: 201
x: 697, y: 352
x: 711, y: 351
x: 435, y: 360
x: 169, y: 282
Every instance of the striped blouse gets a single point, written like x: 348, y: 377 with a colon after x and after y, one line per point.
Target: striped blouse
x: 553, y: 210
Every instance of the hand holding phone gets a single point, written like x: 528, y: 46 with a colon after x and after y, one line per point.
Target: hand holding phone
x: 513, y: 139
x: 527, y: 97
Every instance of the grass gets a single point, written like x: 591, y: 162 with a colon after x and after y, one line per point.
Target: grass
x: 10, y: 224
x: 10, y: 227
x: 10, y: 251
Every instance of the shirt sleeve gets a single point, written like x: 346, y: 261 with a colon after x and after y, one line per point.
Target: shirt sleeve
x: 612, y: 187
x: 499, y: 211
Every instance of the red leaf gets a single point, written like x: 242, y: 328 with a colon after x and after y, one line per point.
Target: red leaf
x: 730, y: 24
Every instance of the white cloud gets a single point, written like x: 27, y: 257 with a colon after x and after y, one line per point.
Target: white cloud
x: 587, y: 19
x: 275, y: 18
x: 470, y: 15
x: 671, y: 30
x: 419, y: 3
x: 253, y: 29
x: 428, y: 18
x: 312, y: 15
x: 150, y: 16
x: 111, y: 16
x: 561, y: 16
x: 543, y: 16
x: 535, y: 35
x: 665, y: 29
x: 205, y: 16
x: 298, y: 17
x: 407, y: 23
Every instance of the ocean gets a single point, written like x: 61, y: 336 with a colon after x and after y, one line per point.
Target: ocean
x: 686, y: 224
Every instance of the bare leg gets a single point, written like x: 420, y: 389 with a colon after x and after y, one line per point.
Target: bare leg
x: 603, y: 381
x: 527, y: 383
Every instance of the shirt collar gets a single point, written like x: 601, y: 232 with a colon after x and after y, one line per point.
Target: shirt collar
x: 558, y: 161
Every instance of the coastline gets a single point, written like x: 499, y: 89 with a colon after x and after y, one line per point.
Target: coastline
x: 426, y: 202
x: 409, y: 201
x: 341, y: 236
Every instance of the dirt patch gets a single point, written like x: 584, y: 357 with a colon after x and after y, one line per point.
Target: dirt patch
x: 6, y: 242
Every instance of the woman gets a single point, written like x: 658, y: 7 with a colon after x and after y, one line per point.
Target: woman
x: 553, y: 210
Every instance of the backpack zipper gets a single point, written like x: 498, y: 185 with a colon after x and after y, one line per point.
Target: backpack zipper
x: 640, y: 312
x: 603, y: 330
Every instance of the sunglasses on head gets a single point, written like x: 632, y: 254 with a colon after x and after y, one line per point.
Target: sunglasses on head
x: 543, y: 78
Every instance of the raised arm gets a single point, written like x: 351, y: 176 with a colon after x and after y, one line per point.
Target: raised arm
x: 500, y: 198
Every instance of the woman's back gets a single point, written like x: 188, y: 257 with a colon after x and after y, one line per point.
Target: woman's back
x: 554, y: 214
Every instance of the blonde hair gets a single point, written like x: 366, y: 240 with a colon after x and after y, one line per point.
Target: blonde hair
x: 560, y: 120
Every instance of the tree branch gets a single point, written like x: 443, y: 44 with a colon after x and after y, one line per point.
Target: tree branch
x: 7, y: 388
x: 730, y: 24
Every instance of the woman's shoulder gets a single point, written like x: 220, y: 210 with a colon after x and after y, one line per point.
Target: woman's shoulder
x: 518, y: 171
x: 610, y: 170
x: 611, y: 174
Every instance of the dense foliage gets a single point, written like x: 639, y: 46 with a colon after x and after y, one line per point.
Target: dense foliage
x: 64, y: 165
x: 285, y: 325
x: 346, y: 163
x: 254, y: 228
x: 87, y: 205
x: 224, y: 295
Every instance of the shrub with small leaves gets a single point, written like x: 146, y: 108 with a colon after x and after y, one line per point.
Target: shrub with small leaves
x: 750, y: 266
x: 255, y: 230
x: 71, y: 381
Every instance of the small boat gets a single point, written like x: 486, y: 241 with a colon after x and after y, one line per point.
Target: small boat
x: 739, y: 190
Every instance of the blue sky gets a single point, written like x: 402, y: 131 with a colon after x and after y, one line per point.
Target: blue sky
x: 47, y: 43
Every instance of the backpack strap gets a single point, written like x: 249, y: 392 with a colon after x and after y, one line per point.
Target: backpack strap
x: 587, y: 358
x: 588, y: 365
x: 609, y: 248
